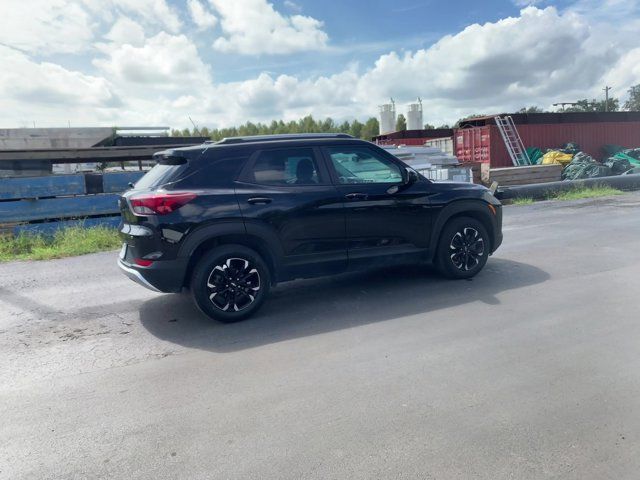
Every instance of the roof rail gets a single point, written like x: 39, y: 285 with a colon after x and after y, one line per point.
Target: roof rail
x: 287, y: 136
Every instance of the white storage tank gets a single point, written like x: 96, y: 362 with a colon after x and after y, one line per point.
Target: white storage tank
x: 388, y: 118
x: 414, y: 116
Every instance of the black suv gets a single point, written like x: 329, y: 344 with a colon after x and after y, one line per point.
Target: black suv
x: 229, y: 220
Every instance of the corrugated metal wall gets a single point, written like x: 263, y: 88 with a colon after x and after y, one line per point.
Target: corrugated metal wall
x: 484, y: 144
x: 473, y: 144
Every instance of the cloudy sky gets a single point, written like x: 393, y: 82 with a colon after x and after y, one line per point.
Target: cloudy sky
x: 223, y: 62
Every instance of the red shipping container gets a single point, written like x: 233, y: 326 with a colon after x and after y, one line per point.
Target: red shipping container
x: 484, y: 143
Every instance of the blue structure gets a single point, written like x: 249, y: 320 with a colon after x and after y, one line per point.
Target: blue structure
x: 46, y: 204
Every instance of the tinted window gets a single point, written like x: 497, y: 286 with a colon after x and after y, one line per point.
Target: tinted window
x: 363, y: 165
x: 212, y: 173
x: 160, y: 175
x: 291, y: 166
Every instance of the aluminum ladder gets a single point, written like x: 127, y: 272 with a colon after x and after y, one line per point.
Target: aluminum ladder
x: 512, y: 141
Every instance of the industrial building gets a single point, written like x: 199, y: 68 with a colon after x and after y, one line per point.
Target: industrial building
x: 479, y: 139
x: 31, y: 152
x: 388, y: 117
x: 413, y: 137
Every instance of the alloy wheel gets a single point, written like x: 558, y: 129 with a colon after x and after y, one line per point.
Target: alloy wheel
x: 466, y: 248
x: 233, y: 285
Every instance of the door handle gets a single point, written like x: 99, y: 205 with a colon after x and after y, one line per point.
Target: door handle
x: 259, y: 200
x: 356, y: 196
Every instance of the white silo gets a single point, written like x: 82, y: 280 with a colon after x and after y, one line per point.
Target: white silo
x: 388, y: 118
x: 414, y: 116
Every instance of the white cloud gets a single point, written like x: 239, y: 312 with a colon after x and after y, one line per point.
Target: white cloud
x: 624, y: 74
x: 202, y: 17
x: 126, y: 31
x: 45, y: 26
x: 151, y: 12
x: 46, y: 92
x: 48, y: 83
x: 527, y: 3
x: 538, y: 57
x: 254, y: 27
x: 164, y: 62
x: 292, y: 6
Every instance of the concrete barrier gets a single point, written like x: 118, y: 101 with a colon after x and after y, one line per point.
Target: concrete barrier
x: 542, y: 191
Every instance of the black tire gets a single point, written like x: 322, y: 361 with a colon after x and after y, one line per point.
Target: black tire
x: 230, y: 283
x: 463, y: 248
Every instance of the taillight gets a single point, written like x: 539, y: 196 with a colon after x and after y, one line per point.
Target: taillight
x: 159, y: 203
x: 142, y: 262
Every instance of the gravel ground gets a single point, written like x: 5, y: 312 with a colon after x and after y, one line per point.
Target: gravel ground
x: 530, y: 370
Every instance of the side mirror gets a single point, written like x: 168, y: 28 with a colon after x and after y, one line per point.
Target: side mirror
x: 411, y: 176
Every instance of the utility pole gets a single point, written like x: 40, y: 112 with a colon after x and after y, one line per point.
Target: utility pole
x: 606, y: 98
x: 562, y: 104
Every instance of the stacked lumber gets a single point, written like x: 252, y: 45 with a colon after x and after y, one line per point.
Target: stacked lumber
x: 525, y: 175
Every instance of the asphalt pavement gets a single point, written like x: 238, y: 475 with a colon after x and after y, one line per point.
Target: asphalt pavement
x: 531, y: 370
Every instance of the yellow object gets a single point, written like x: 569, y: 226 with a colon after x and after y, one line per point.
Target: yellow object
x: 557, y: 158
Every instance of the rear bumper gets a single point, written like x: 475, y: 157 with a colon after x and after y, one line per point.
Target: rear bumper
x: 163, y: 276
x: 135, y: 275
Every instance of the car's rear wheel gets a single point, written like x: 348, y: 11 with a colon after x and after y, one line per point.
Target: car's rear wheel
x: 463, y: 248
x: 230, y: 283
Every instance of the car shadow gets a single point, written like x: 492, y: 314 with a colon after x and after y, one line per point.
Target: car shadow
x: 309, y: 307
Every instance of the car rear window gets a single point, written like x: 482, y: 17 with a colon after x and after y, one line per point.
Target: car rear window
x: 160, y: 175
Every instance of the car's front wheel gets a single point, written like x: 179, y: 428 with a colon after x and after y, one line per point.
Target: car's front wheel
x: 230, y: 283
x: 463, y: 248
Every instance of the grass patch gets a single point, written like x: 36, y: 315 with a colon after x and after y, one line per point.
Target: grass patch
x: 585, y: 192
x: 522, y: 201
x: 67, y: 242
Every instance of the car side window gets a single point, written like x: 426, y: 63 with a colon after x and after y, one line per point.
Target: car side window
x: 287, y: 166
x: 217, y: 172
x: 355, y: 165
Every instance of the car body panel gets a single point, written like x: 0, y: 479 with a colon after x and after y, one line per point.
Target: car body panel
x: 304, y: 231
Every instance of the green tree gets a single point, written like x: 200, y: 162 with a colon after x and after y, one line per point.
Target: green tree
x: 344, y: 127
x: 401, y: 123
x: 428, y: 126
x: 307, y: 125
x: 371, y: 129
x: 327, y: 126
x: 282, y: 127
x: 532, y: 109
x: 355, y: 130
x: 444, y: 125
x: 304, y: 125
x: 469, y: 117
x: 594, y: 105
x: 633, y: 102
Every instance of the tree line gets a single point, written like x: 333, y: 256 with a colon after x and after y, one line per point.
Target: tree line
x: 594, y: 105
x: 308, y: 124
x: 371, y: 127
